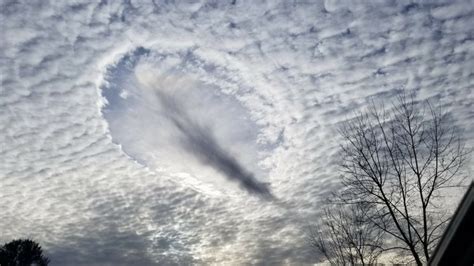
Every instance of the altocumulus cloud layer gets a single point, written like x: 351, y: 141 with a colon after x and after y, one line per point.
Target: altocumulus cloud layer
x: 102, y: 173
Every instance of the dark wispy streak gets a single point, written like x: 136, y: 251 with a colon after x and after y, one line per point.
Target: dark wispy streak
x: 199, y: 141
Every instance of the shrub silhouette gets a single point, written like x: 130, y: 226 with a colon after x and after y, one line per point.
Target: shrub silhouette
x: 22, y: 252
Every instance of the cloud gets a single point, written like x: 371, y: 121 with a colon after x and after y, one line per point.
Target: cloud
x: 200, y: 142
x: 273, y: 81
x: 169, y: 114
x: 198, y: 139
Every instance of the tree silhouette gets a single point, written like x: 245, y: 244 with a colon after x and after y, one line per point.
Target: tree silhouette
x: 400, y: 162
x: 345, y: 237
x: 22, y: 252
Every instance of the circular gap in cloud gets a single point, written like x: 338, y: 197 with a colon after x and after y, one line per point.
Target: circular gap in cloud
x: 165, y: 117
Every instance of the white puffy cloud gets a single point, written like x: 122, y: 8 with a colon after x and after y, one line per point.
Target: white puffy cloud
x: 273, y: 80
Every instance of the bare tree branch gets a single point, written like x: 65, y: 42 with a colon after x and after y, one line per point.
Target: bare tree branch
x: 399, y: 162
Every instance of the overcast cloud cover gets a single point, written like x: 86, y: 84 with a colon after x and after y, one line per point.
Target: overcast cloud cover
x: 145, y: 132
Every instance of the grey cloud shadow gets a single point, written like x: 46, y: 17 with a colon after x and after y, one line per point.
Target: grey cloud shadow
x: 110, y: 238
x: 102, y: 247
x: 114, y: 246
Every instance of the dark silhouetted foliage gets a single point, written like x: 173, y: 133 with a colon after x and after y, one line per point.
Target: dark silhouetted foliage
x: 22, y: 252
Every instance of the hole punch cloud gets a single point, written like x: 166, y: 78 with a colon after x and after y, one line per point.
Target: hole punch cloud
x: 200, y: 141
x: 186, y: 122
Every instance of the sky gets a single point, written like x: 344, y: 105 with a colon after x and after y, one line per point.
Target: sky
x: 203, y: 132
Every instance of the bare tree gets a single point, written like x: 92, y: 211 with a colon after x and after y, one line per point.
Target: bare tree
x: 400, y: 161
x: 345, y: 237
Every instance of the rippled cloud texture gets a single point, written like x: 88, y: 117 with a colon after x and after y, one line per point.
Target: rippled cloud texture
x: 95, y: 175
